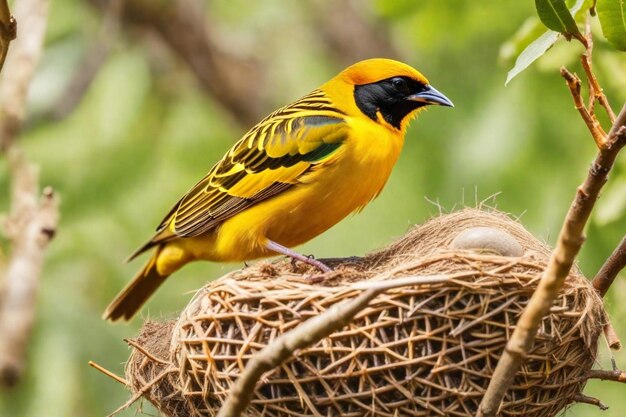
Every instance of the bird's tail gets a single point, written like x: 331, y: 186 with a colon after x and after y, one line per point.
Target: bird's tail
x: 126, y: 304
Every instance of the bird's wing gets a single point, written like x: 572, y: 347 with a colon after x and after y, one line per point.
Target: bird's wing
x: 268, y: 160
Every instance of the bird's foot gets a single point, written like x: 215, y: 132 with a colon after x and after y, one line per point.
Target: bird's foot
x: 310, y: 259
x: 295, y: 256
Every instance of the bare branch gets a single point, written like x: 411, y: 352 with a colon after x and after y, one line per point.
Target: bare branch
x: 582, y: 398
x: 568, y: 245
x: 612, y: 339
x: 137, y: 395
x: 31, y: 223
x: 109, y: 373
x: 596, y: 93
x: 616, y: 376
x: 20, y: 68
x: 612, y: 266
x: 573, y: 82
x: 32, y: 226
x: 618, y: 128
x: 144, y: 352
x: 8, y: 30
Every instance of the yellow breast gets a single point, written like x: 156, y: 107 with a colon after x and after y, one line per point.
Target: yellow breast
x: 347, y: 182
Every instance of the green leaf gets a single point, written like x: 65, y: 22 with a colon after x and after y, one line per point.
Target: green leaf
x: 555, y: 15
x: 540, y: 45
x: 612, y: 15
x: 532, y: 28
x: 531, y: 53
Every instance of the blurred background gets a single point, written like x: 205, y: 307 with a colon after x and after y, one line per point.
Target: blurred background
x: 134, y: 101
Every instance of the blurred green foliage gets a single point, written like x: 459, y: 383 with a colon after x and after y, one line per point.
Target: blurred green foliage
x: 144, y: 133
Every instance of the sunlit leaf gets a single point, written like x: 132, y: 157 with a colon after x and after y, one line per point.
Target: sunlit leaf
x: 540, y: 45
x: 556, y: 16
x: 532, y: 28
x: 612, y: 15
x: 531, y: 53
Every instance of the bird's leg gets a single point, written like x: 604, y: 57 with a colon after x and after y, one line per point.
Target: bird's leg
x: 273, y: 246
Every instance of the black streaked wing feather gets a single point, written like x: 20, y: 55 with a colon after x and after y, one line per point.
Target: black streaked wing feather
x: 306, y: 131
x: 231, y: 206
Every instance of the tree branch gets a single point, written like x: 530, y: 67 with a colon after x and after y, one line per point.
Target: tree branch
x: 8, y: 30
x: 31, y: 223
x: 612, y: 339
x: 570, y: 240
x: 582, y: 398
x: 612, y: 266
x: 596, y: 93
x: 616, y: 376
x: 573, y: 82
x: 109, y: 373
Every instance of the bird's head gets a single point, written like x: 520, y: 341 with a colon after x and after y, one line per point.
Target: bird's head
x: 388, y: 91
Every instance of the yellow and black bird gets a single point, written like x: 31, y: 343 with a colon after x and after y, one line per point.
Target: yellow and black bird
x: 294, y: 175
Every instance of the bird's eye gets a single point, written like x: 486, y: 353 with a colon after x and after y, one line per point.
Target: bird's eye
x: 400, y: 85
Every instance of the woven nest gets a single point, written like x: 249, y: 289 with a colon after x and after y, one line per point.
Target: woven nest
x: 421, y: 350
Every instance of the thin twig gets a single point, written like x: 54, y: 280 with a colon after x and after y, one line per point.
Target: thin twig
x: 109, y: 373
x: 612, y: 339
x: 571, y: 238
x: 285, y: 345
x: 32, y: 221
x: 585, y: 59
x: 145, y: 352
x: 573, y: 82
x: 32, y: 226
x: 611, y: 268
x: 582, y: 398
x: 616, y: 376
x: 8, y: 30
x: 147, y: 387
x: 596, y: 93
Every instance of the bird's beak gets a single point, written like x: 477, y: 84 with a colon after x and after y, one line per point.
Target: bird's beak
x: 431, y: 96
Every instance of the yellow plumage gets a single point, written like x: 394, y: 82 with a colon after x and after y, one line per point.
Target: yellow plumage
x: 291, y: 177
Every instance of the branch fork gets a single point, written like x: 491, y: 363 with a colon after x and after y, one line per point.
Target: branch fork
x: 571, y: 236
